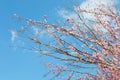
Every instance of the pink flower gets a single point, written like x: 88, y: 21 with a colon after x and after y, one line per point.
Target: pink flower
x: 71, y: 47
x: 68, y: 19
x: 105, y: 51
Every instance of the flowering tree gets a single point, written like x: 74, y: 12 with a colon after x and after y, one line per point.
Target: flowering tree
x: 80, y: 44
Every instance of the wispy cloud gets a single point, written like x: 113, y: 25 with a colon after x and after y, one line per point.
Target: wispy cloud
x: 66, y: 14
x: 91, y: 4
x: 36, y: 30
x: 14, y: 35
x: 88, y: 5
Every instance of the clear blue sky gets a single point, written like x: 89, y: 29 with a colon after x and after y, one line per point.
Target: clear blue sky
x: 16, y: 64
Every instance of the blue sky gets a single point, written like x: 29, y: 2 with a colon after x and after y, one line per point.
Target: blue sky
x: 15, y: 64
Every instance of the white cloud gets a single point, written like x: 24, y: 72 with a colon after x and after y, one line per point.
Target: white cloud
x: 14, y: 35
x: 36, y: 30
x: 66, y: 14
x: 90, y: 5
